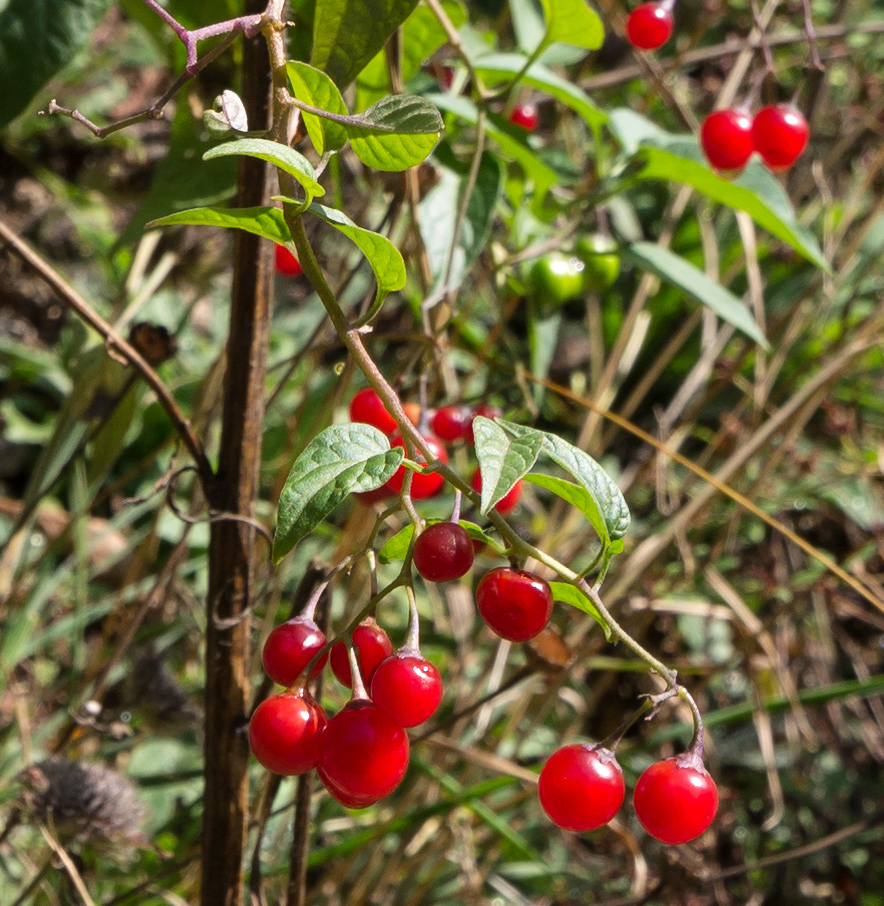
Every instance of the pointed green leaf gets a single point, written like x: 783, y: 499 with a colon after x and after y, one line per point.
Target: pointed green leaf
x: 571, y: 594
x: 281, y: 156
x: 382, y: 255
x: 348, y: 33
x: 577, y: 496
x: 690, y: 279
x: 266, y: 222
x: 572, y: 22
x: 396, y: 133
x: 503, y: 459
x: 678, y: 158
x: 602, y: 488
x: 312, y: 86
x: 338, y: 461
x: 545, y: 80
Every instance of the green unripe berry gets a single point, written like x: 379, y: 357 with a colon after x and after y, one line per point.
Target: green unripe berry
x: 556, y: 279
x: 601, y: 262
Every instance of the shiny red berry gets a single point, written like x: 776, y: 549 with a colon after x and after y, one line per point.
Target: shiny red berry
x: 726, y: 139
x: 525, y: 116
x: 290, y: 647
x: 452, y: 423
x: 363, y: 755
x: 508, y: 502
x: 285, y: 732
x: 676, y: 799
x: 780, y: 134
x: 407, y: 688
x: 516, y: 604
x: 443, y: 552
x: 422, y: 485
x: 368, y: 408
x: 372, y: 646
x: 287, y: 265
x: 649, y: 26
x: 581, y: 787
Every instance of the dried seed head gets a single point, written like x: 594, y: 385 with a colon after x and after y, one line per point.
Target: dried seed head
x: 84, y: 802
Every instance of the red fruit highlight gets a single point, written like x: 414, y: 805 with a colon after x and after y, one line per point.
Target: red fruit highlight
x: 290, y: 647
x: 443, y: 552
x: 726, y: 139
x: 407, y: 688
x: 372, y: 646
x: 367, y: 407
x: 285, y: 733
x: 649, y: 26
x: 516, y: 604
x: 780, y: 135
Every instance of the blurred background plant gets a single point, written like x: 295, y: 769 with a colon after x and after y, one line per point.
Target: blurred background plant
x: 102, y: 625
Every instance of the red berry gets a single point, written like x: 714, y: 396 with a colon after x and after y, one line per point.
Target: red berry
x: 285, y: 732
x: 676, y: 799
x: 452, y: 423
x: 443, y: 552
x: 780, y: 134
x: 508, y: 502
x: 581, y: 787
x: 726, y: 139
x: 516, y: 604
x: 425, y: 485
x: 486, y: 412
x: 407, y: 688
x: 363, y: 754
x: 287, y: 265
x: 367, y: 407
x: 372, y: 646
x: 525, y: 116
x: 290, y: 647
x: 649, y: 26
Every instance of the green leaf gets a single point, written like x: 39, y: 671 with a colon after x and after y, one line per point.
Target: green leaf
x: 266, y: 222
x: 422, y: 36
x: 312, y: 86
x: 338, y: 461
x: 281, y: 156
x: 694, y: 282
x: 571, y: 594
x: 512, y: 141
x: 608, y: 498
x: 396, y: 133
x: 348, y: 33
x: 382, y: 255
x: 572, y: 22
x: 574, y: 494
x: 503, y: 460
x: 438, y: 215
x: 37, y: 39
x: 678, y: 158
x: 538, y: 76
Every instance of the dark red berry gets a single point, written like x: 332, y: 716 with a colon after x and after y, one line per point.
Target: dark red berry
x: 290, y: 647
x: 443, y: 552
x: 452, y: 423
x: 368, y: 408
x: 485, y: 411
x: 363, y: 756
x: 372, y: 646
x: 676, y: 799
x: 780, y: 134
x: 525, y: 116
x: 649, y: 26
x: 516, y: 604
x: 422, y: 485
x: 726, y: 139
x: 508, y: 502
x: 287, y: 265
x: 407, y: 688
x: 581, y: 787
x: 285, y: 732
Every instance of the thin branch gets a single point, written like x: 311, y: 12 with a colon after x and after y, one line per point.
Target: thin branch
x: 119, y: 345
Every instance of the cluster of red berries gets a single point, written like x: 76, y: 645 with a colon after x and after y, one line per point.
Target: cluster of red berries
x: 361, y: 753
x: 649, y: 26
x: 778, y: 133
x: 581, y: 788
x: 447, y: 425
